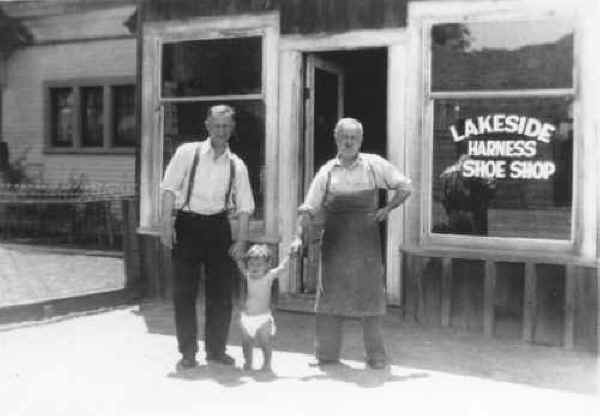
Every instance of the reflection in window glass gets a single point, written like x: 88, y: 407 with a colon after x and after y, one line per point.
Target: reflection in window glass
x: 124, y: 115
x: 184, y: 122
x: 503, y: 167
x: 92, y: 112
x: 502, y: 55
x: 212, y: 67
x: 62, y: 104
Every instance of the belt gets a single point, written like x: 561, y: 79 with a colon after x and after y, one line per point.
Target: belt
x: 191, y: 214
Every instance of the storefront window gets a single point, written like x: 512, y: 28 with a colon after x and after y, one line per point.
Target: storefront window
x: 502, y: 55
x: 200, y: 73
x: 503, y: 167
x: 212, y: 67
x: 502, y: 129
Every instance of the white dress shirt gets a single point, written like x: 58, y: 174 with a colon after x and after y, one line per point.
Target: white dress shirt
x: 211, y: 180
x: 356, y: 177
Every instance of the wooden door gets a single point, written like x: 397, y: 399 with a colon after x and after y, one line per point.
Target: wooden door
x: 324, y: 106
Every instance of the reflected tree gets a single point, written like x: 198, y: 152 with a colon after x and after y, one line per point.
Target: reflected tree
x: 454, y: 36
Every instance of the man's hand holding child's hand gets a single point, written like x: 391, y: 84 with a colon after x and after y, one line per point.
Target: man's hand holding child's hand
x: 296, y: 246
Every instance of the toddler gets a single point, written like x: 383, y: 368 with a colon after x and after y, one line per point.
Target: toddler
x: 258, y: 325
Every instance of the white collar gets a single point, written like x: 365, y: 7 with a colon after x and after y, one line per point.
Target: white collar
x: 338, y: 161
x: 206, y: 148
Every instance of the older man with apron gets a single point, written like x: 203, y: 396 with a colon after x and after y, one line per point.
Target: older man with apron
x: 351, y: 284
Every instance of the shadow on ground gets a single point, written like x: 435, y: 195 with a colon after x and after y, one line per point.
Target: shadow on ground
x: 415, y: 349
x: 227, y: 376
x: 362, y: 377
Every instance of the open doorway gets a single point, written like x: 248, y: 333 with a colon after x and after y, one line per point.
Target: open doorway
x: 348, y: 83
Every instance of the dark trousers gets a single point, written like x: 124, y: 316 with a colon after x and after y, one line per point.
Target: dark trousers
x: 203, y: 240
x: 329, y: 337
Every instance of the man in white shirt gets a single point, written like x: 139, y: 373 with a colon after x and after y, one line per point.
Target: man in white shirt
x: 203, y: 182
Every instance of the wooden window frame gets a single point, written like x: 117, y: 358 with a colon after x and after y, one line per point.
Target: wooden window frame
x: 204, y: 28
x: 421, y: 18
x: 107, y: 85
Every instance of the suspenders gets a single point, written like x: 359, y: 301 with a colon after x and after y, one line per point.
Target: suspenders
x: 230, y: 186
x: 192, y: 178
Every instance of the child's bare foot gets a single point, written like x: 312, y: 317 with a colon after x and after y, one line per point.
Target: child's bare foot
x: 266, y: 368
x: 247, y: 367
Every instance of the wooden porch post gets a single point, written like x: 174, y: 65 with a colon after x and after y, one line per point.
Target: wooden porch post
x: 529, y: 302
x: 489, y: 286
x: 446, y: 290
x: 290, y: 119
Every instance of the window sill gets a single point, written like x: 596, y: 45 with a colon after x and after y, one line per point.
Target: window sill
x: 534, y: 256
x: 90, y: 150
x: 459, y: 242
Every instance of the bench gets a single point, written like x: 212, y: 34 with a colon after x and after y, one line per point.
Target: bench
x: 418, y: 256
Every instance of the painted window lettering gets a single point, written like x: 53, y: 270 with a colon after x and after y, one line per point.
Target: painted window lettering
x: 502, y: 148
x: 501, y: 123
x: 528, y: 169
x: 482, y: 151
x: 497, y: 169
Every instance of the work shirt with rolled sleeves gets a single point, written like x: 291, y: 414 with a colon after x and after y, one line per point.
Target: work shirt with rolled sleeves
x: 368, y: 171
x: 211, y: 180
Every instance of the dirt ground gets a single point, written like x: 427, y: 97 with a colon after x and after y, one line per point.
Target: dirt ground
x: 121, y: 362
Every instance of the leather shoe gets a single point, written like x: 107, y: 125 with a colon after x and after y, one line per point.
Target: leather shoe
x: 221, y: 359
x: 323, y: 362
x: 186, y: 363
x: 377, y: 364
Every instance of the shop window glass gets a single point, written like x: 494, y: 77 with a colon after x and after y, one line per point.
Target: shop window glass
x: 92, y: 123
x: 503, y: 167
x: 212, y: 67
x: 62, y: 103
x: 198, y: 74
x: 502, y: 55
x: 502, y: 163
x: 124, y: 115
x: 184, y: 122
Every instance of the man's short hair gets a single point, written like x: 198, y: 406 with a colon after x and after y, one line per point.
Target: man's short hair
x: 347, y: 122
x: 220, y: 110
x: 259, y: 251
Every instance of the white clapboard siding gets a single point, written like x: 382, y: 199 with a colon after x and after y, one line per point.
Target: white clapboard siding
x: 23, y: 104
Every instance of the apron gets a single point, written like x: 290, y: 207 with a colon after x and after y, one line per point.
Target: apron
x: 352, y: 266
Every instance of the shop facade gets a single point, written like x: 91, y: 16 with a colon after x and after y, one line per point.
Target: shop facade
x: 486, y: 105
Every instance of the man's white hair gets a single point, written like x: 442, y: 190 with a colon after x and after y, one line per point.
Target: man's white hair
x: 347, y: 122
x: 221, y: 110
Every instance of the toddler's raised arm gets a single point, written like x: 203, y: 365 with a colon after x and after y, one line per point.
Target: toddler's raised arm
x: 282, y: 264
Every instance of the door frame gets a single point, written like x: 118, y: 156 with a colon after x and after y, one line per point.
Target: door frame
x: 291, y: 116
